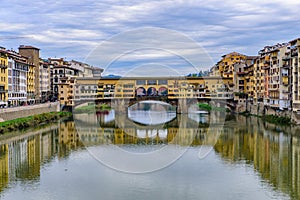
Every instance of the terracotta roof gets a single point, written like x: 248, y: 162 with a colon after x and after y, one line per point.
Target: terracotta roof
x: 294, y: 40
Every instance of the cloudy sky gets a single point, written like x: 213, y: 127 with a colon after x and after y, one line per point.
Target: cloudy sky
x: 90, y: 29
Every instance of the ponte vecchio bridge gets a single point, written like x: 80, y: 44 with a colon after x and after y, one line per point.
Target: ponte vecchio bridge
x: 182, y: 92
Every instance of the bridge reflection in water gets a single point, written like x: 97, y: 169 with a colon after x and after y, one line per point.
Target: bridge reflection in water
x: 103, y: 129
x: 274, y: 154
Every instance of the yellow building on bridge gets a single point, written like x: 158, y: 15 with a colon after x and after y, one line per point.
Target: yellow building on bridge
x: 171, y: 87
x: 74, y: 90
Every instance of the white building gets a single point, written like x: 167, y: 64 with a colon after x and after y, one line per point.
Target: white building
x: 285, y: 78
x: 44, y: 80
x: 17, y: 79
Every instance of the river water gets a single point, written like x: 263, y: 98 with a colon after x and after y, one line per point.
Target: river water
x: 150, y: 155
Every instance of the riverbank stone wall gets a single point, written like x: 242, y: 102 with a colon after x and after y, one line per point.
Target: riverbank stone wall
x: 25, y: 111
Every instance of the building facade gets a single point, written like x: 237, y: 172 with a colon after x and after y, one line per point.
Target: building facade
x: 18, y: 68
x: 31, y: 84
x: 33, y: 56
x: 44, y: 68
x: 3, y: 77
x: 295, y: 59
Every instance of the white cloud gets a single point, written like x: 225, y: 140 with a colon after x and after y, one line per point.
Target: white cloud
x: 13, y: 26
x: 219, y: 27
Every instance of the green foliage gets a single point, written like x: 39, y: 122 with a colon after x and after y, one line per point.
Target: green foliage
x: 31, y: 121
x: 245, y: 113
x: 103, y: 107
x: 207, y: 107
x: 92, y: 108
x: 204, y: 106
x: 87, y: 108
x: 277, y: 119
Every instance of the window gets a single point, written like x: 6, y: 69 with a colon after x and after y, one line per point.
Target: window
x: 162, y: 82
x: 127, y: 90
x: 141, y: 82
x: 128, y: 86
x: 151, y: 82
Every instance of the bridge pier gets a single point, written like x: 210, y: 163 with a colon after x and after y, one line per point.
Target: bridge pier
x: 182, y: 106
x: 120, y: 105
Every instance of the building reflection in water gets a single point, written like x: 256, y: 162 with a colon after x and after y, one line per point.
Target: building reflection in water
x: 274, y: 154
x: 21, y: 158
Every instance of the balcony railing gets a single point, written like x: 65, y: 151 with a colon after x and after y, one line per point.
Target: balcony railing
x: 266, y: 67
x: 273, y: 89
x: 286, y: 58
x: 286, y: 66
x: 294, y: 53
x: 3, y: 91
x: 285, y: 91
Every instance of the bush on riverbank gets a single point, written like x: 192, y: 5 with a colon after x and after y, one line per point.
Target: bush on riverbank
x: 92, y: 108
x: 85, y: 109
x: 274, y: 119
x: 277, y: 119
x: 31, y: 121
x: 245, y: 113
x: 208, y: 108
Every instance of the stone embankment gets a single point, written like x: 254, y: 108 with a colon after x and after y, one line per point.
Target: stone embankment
x: 25, y: 111
x: 261, y: 110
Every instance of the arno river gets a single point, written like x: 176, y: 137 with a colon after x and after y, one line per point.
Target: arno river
x: 238, y: 158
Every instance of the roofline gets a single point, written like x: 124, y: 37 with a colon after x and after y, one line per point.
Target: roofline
x: 294, y: 40
x: 168, y: 78
x: 87, y: 78
x: 28, y: 47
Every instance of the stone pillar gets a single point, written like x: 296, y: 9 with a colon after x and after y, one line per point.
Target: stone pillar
x: 120, y: 105
x: 296, y: 118
x: 182, y: 107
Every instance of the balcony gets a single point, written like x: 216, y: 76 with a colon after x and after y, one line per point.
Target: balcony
x: 286, y: 66
x: 241, y: 73
x: 266, y: 67
x: 228, y: 72
x: 274, y: 89
x: 286, y: 58
x: 294, y: 53
x: 285, y: 91
x: 3, y: 91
